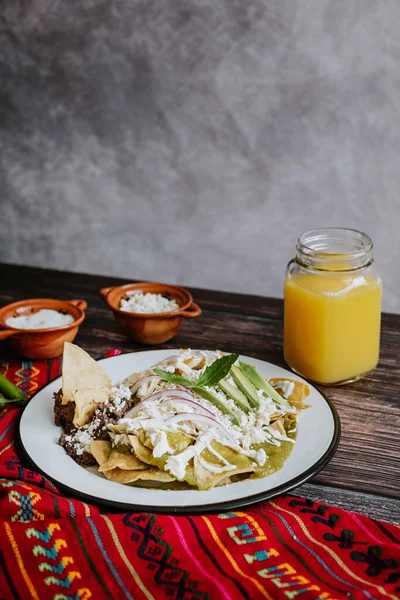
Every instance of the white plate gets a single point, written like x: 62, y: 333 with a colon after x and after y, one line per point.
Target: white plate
x: 317, y: 439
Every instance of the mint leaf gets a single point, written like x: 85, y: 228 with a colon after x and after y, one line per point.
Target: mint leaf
x: 216, y: 371
x: 172, y: 378
x: 211, y: 376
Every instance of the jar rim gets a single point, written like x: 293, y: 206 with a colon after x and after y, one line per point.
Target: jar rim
x: 349, y: 243
x: 334, y: 249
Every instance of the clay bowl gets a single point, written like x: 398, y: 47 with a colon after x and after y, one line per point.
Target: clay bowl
x: 150, y: 328
x: 41, y: 343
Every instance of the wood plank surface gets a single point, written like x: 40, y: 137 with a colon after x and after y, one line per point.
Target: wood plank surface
x: 366, y: 466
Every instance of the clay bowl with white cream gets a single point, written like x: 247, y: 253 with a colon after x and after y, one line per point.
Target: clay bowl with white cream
x: 150, y: 313
x: 38, y: 328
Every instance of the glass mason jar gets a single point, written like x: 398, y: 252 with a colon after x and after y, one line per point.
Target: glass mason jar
x: 332, y: 312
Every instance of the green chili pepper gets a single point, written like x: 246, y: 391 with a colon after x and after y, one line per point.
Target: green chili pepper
x: 9, y: 392
x: 4, y: 401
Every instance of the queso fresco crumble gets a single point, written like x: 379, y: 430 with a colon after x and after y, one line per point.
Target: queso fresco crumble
x: 148, y: 304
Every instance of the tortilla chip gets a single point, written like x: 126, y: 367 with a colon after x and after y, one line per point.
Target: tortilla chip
x: 170, y: 486
x: 121, y: 476
x: 126, y: 472
x: 101, y: 451
x: 289, y: 422
x: 279, y: 426
x: 300, y: 393
x: 86, y: 400
x: 157, y: 475
x: 177, y: 441
x: 275, y: 417
x: 79, y: 370
x: 125, y: 462
x: 224, y: 481
x: 144, y: 454
x: 206, y: 480
x: 196, y: 362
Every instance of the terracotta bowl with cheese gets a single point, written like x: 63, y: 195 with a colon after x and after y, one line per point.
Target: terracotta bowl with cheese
x: 150, y: 313
x: 37, y: 328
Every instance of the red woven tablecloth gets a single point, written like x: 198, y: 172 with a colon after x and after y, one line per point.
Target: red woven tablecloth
x: 55, y: 547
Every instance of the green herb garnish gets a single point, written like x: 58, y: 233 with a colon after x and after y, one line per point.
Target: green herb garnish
x: 172, y: 378
x: 210, y: 377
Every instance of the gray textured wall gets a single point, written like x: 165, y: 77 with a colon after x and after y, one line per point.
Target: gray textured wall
x: 191, y: 141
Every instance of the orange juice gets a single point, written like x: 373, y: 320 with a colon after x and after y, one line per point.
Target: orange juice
x: 332, y: 324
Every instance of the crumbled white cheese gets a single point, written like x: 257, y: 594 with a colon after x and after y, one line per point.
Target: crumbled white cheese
x: 120, y: 438
x: 119, y: 394
x: 148, y: 303
x: 83, y: 437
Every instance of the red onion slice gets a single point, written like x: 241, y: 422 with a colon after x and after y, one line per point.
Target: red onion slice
x: 135, y: 409
x: 202, y: 419
x: 189, y: 402
x: 171, y: 392
x: 168, y: 396
x: 142, y: 380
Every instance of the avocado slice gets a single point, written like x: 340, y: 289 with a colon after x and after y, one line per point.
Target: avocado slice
x: 244, y: 383
x: 237, y: 396
x: 261, y: 384
x: 217, y: 402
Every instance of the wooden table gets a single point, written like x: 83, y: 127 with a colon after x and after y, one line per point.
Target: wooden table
x: 364, y: 474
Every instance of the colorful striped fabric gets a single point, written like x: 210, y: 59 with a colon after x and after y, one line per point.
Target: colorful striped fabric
x: 55, y: 547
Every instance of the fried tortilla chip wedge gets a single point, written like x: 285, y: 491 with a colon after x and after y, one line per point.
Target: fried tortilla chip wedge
x: 144, y: 454
x: 289, y: 422
x: 207, y: 462
x: 79, y: 370
x: 196, y: 362
x: 279, y: 426
x: 300, y: 393
x: 177, y: 441
x: 86, y: 400
x: 224, y: 481
x: 101, y: 451
x: 206, y: 480
x: 125, y: 462
x: 120, y: 476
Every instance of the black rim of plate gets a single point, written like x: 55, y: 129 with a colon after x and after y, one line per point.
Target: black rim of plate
x: 202, y: 509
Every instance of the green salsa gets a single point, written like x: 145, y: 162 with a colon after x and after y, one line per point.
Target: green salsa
x: 277, y: 455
